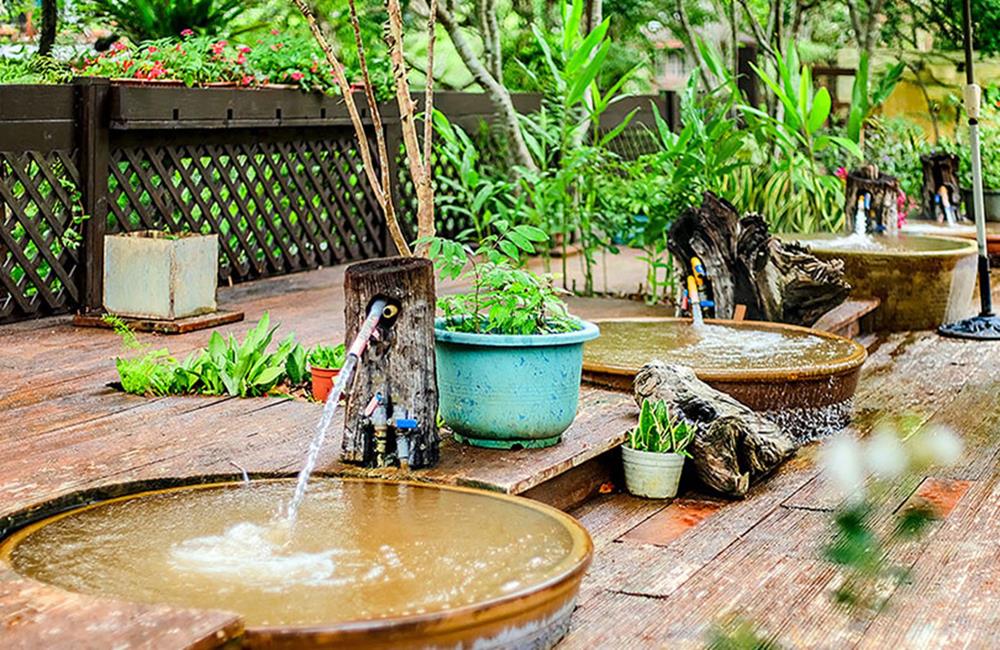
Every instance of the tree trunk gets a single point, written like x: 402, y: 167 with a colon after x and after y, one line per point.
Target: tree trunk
x: 50, y: 22
x: 745, y: 265
x: 733, y: 446
x: 399, y: 364
x: 881, y: 193
x: 940, y: 178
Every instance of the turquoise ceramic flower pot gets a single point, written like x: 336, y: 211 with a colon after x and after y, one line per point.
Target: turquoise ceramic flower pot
x: 506, y: 391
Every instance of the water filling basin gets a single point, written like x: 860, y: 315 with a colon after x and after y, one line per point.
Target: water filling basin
x: 802, y: 379
x: 369, y: 563
x: 921, y: 281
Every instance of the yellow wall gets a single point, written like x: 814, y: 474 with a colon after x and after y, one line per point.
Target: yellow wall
x: 940, y: 76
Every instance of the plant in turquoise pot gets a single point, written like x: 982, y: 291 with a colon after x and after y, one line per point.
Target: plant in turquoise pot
x: 509, y: 355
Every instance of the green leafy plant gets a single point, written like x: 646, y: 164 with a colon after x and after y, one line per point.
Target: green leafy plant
x: 471, y: 194
x: 989, y: 147
x: 565, y: 139
x: 506, y: 300
x: 296, y: 369
x: 787, y: 184
x: 659, y: 432
x: 866, y: 99
x: 328, y: 357
x: 143, y: 20
x: 145, y: 372
x: 243, y: 369
x: 226, y: 367
x: 867, y: 474
x: 33, y: 70
x: 198, y: 60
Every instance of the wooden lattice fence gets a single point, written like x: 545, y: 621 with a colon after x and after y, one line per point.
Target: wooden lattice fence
x: 275, y: 173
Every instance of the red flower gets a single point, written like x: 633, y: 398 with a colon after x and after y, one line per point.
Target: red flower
x: 274, y: 32
x: 246, y: 80
x: 841, y: 173
x: 187, y: 32
x: 241, y: 59
x: 244, y: 49
x: 118, y: 46
x: 151, y: 49
x: 296, y: 76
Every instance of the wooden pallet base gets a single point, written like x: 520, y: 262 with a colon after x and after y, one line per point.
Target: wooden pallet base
x: 179, y: 326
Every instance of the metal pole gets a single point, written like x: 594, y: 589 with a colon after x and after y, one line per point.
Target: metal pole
x: 973, y: 99
x: 985, y: 326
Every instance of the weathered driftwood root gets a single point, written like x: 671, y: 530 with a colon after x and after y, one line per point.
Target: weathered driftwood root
x: 775, y: 280
x: 733, y: 446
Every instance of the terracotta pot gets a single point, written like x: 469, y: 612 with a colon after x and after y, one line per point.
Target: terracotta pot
x: 322, y: 382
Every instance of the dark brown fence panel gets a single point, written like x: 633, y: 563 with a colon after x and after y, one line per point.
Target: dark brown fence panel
x: 281, y: 200
x: 276, y: 173
x: 40, y: 207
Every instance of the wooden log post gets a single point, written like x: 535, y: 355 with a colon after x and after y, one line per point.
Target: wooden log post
x: 940, y: 178
x: 399, y: 364
x: 883, y: 190
x: 775, y: 280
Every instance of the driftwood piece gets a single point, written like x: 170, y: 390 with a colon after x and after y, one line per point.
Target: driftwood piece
x: 400, y: 363
x: 940, y: 177
x: 733, y: 446
x: 776, y: 281
x: 883, y: 213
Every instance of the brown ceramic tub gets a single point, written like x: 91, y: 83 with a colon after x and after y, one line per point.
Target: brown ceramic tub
x: 808, y: 393
x: 533, y: 615
x: 921, y: 281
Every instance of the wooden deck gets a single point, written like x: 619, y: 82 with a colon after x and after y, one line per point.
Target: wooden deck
x: 663, y: 574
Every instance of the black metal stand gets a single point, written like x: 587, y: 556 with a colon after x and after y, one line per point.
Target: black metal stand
x: 985, y: 326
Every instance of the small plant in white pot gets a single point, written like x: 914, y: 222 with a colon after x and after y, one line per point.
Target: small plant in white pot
x: 654, y: 453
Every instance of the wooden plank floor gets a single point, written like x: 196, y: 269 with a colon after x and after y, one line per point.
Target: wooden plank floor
x: 663, y: 574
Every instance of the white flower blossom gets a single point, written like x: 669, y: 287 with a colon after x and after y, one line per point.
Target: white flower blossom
x: 885, y: 455
x: 843, y: 466
x: 935, y: 445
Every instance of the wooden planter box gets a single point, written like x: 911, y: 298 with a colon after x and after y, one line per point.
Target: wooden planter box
x: 151, y: 274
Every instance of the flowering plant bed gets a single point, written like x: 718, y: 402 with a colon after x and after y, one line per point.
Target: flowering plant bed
x: 194, y: 60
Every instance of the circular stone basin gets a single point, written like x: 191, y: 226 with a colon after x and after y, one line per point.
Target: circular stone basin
x: 368, y: 563
x: 962, y: 230
x: 800, y: 378
x: 921, y: 281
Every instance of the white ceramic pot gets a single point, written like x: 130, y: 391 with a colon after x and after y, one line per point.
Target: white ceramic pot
x: 650, y: 474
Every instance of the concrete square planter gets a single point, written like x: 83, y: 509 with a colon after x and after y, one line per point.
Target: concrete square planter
x: 164, y: 276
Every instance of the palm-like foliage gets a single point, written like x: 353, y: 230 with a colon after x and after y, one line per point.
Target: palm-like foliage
x: 143, y: 20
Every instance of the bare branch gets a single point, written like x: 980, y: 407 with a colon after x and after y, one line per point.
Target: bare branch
x: 381, y: 191
x: 429, y: 86
x: 418, y: 171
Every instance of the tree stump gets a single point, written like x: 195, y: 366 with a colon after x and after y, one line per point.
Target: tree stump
x: 883, y: 213
x: 733, y: 447
x: 940, y: 174
x: 399, y: 364
x: 777, y: 281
